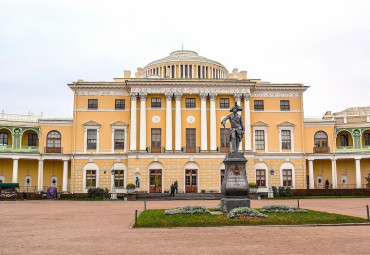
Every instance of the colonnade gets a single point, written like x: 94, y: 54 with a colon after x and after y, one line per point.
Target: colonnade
x: 187, y: 71
x: 178, y: 131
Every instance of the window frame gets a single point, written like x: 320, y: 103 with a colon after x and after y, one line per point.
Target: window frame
x: 284, y: 107
x: 259, y: 181
x: 190, y: 103
x: 367, y: 139
x: 345, y: 141
x: 53, y: 144
x: 257, y: 141
x: 156, y: 102
x: 89, y: 178
x: 120, y: 104
x: 92, y: 104
x: 156, y: 139
x: 119, y: 141
x: 89, y: 144
x: 119, y: 179
x: 191, y: 139
x: 258, y: 107
x: 33, y: 140
x: 286, y: 144
x: 285, y: 179
x: 224, y: 103
x: 4, y: 137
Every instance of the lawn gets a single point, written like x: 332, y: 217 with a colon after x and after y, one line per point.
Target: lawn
x: 157, y: 219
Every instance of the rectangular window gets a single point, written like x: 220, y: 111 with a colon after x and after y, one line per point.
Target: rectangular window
x: 32, y: 139
x: 190, y: 102
x: 156, y: 102
x: 118, y: 178
x: 92, y: 104
x: 120, y: 104
x: 285, y: 140
x: 344, y: 140
x: 90, y: 178
x: 367, y: 139
x: 258, y: 105
x: 225, y: 137
x: 224, y: 103
x: 156, y: 140
x: 287, y: 177
x: 119, y: 139
x: 261, y: 177
x: 91, y: 139
x: 284, y: 105
x: 259, y: 136
x: 190, y: 140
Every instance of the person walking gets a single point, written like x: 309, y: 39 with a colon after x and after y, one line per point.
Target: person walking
x: 172, y: 190
x: 326, y: 184
x: 176, y: 187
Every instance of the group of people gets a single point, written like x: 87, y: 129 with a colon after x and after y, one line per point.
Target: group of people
x: 174, y: 189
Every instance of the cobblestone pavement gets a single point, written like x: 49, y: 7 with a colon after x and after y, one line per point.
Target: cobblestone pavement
x: 102, y: 227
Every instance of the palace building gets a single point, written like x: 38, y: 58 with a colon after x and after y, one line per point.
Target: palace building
x: 164, y: 125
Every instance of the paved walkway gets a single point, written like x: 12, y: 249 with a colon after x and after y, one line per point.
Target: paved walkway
x: 81, y: 227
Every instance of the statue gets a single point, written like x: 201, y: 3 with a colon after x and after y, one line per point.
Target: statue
x: 237, y: 127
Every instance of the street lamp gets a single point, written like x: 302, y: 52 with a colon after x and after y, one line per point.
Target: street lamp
x: 113, y: 194
x: 270, y: 192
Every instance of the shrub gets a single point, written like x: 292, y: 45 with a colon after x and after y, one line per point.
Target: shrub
x: 252, y: 185
x: 282, y: 191
x: 187, y: 210
x: 331, y: 192
x: 245, y: 212
x: 98, y: 193
x: 281, y: 209
x: 130, y: 186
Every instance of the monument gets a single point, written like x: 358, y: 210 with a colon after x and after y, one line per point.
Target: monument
x: 235, y: 184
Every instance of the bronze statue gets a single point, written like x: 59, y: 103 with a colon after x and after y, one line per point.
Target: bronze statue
x: 237, y: 127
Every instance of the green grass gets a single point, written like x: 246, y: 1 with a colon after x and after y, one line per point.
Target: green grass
x: 157, y: 218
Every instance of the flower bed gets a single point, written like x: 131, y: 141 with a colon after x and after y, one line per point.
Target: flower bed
x: 187, y: 210
x: 281, y: 209
x: 245, y: 212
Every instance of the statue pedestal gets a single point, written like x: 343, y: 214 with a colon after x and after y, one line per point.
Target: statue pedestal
x: 235, y: 184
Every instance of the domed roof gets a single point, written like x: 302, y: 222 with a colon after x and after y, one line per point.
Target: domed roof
x: 184, y: 56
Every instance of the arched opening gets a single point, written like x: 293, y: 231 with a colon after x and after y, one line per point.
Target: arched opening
x: 344, y: 139
x: 366, y: 138
x: 5, y: 139
x: 191, y: 177
x: 321, y: 142
x: 155, y: 170
x: 90, y: 176
x: 30, y: 139
x: 53, y: 142
x: 287, y: 175
x: 120, y: 176
x: 261, y: 175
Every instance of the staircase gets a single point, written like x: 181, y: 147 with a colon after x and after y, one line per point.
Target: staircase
x: 180, y: 196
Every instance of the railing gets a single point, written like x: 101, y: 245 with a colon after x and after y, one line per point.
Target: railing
x: 321, y: 149
x: 155, y: 149
x: 53, y: 149
x: 351, y: 149
x: 224, y: 149
x: 30, y: 149
x: 341, y: 186
x: 28, y: 189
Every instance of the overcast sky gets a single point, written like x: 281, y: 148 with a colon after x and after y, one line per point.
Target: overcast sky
x: 44, y: 45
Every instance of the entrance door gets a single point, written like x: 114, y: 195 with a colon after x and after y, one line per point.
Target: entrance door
x: 191, y: 181
x: 155, y: 181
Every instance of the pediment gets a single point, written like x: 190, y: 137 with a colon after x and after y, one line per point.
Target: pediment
x: 91, y: 123
x: 119, y: 124
x: 286, y: 124
x: 260, y: 124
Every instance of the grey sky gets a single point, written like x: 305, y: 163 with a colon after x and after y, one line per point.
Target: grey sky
x: 46, y: 44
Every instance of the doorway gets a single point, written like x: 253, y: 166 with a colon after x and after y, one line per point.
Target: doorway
x: 191, y: 184
x: 155, y: 181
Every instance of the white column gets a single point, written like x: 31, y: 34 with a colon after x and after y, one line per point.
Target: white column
x: 65, y: 176
x: 178, y: 122
x: 358, y: 173
x: 174, y: 75
x: 310, y: 173
x: 196, y: 73
x: 15, y: 170
x: 334, y: 173
x: 212, y: 120
x: 203, y: 119
x: 247, y: 123
x: 169, y: 122
x: 143, y: 121
x: 133, y: 123
x: 40, y: 178
x: 237, y: 98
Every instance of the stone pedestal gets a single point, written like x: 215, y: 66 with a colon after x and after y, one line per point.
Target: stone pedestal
x: 235, y: 184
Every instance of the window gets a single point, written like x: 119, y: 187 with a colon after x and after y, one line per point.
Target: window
x: 259, y: 139
x: 261, y: 177
x: 53, y: 142
x: 119, y: 139
x: 3, y: 139
x: 287, y: 177
x: 225, y: 139
x: 224, y: 103
x: 321, y: 139
x: 190, y: 140
x: 156, y: 102
x: 367, y: 139
x: 90, y: 178
x: 285, y: 140
x: 344, y: 140
x: 92, y: 104
x: 258, y: 105
x: 284, y: 105
x: 91, y: 139
x: 118, y: 178
x: 32, y: 139
x: 120, y: 104
x: 156, y: 140
x: 190, y: 102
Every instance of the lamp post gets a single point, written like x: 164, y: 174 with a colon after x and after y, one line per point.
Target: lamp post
x: 113, y: 194
x: 270, y: 192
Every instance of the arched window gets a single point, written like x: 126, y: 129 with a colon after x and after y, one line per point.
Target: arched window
x: 3, y: 139
x: 321, y: 142
x: 53, y: 142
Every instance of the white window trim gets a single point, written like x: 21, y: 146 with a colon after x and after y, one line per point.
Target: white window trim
x: 90, y: 166
x: 262, y: 165
x: 119, y: 167
x: 51, y: 181
x: 254, y: 137
x: 155, y: 165
x: 287, y: 165
x: 85, y: 137
x: 192, y: 165
x: 25, y: 180
x: 291, y: 129
x: 125, y: 138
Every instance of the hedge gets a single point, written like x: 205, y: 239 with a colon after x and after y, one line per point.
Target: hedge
x: 331, y: 192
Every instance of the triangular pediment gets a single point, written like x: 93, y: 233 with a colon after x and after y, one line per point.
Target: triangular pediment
x: 119, y: 123
x: 286, y: 124
x: 91, y: 123
x: 260, y: 124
